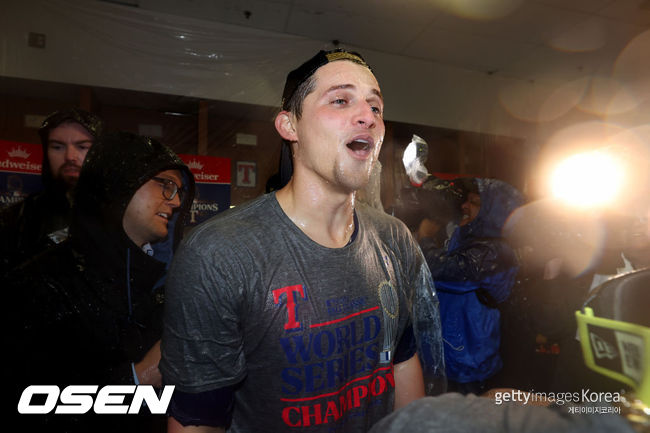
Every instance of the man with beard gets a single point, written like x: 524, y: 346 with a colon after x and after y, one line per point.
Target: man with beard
x: 293, y: 312
x: 42, y: 219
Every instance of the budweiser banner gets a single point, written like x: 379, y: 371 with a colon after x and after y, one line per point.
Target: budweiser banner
x: 20, y: 171
x: 20, y: 175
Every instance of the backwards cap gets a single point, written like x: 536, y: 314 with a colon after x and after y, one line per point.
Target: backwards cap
x: 294, y: 79
x: 307, y: 69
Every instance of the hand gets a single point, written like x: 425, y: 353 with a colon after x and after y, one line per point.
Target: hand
x: 147, y: 369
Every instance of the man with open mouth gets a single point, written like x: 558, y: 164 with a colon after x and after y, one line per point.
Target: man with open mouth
x: 293, y: 312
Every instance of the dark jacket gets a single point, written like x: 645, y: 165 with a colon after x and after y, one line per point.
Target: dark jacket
x: 472, y: 275
x: 41, y: 220
x: 90, y: 307
x: 33, y: 225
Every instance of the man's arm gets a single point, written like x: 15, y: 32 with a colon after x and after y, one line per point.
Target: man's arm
x: 146, y: 370
x: 409, y: 383
x: 174, y: 426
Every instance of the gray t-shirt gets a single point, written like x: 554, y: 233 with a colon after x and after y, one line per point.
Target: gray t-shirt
x: 308, y: 332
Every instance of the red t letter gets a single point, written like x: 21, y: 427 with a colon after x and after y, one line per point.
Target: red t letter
x: 291, y: 303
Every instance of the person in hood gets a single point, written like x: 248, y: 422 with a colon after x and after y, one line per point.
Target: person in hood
x: 89, y: 311
x: 42, y: 219
x: 473, y: 273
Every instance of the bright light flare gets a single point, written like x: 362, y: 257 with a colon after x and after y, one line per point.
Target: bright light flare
x: 588, y: 180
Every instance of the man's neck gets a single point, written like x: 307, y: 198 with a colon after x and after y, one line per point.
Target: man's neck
x: 324, y: 215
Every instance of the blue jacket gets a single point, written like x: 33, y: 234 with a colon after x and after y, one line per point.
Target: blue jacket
x: 472, y: 275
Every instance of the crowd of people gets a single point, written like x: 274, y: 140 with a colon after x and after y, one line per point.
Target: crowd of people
x: 306, y: 308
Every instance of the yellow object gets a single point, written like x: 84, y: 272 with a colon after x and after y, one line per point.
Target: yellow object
x: 619, y: 350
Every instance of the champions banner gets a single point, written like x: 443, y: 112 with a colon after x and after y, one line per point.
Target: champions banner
x: 20, y: 171
x: 20, y: 175
x: 212, y: 177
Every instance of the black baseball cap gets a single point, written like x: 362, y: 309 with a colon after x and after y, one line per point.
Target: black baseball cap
x: 299, y: 75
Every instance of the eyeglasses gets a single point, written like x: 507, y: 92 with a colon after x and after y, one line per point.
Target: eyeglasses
x: 169, y: 188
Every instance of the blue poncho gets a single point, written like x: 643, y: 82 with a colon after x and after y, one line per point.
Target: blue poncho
x: 473, y: 274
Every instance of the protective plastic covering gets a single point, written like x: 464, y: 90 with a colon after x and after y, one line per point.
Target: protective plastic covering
x: 101, y: 44
x: 415, y: 155
x: 371, y: 194
x: 428, y: 334
x: 425, y: 308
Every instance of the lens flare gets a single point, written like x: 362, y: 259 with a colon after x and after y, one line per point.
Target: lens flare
x: 606, y: 97
x: 542, y: 101
x: 552, y: 239
x: 633, y: 64
x: 589, y: 179
x: 479, y: 9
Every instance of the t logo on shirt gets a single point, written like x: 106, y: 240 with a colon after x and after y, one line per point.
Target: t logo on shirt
x: 292, y: 322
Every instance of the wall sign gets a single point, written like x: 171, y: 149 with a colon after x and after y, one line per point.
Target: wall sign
x: 246, y: 173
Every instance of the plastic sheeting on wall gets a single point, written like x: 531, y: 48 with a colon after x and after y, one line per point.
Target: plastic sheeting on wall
x: 100, y: 44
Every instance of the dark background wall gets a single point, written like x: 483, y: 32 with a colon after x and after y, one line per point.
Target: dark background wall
x: 194, y: 126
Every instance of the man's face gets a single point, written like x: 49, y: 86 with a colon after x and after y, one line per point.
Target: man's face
x: 470, y: 208
x: 146, y: 217
x: 340, y: 132
x: 67, y: 146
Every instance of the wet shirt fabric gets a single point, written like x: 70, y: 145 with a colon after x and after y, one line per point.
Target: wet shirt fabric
x: 83, y: 311
x: 473, y: 274
x: 308, y: 334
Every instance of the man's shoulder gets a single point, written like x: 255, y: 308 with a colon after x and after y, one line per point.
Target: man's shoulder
x: 250, y: 217
x: 381, y: 222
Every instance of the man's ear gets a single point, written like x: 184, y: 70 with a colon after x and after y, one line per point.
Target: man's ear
x: 284, y: 126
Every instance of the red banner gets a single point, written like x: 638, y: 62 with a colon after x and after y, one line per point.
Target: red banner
x: 208, y: 169
x: 18, y: 157
x: 212, y: 194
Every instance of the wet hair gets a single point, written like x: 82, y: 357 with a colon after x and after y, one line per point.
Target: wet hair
x: 294, y: 104
x: 300, y: 82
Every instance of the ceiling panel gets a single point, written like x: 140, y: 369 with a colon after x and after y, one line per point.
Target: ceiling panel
x: 577, y: 5
x: 529, y: 39
x: 389, y: 11
x: 516, y: 22
x: 261, y: 14
x: 367, y: 32
x: 630, y: 11
x: 465, y: 50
